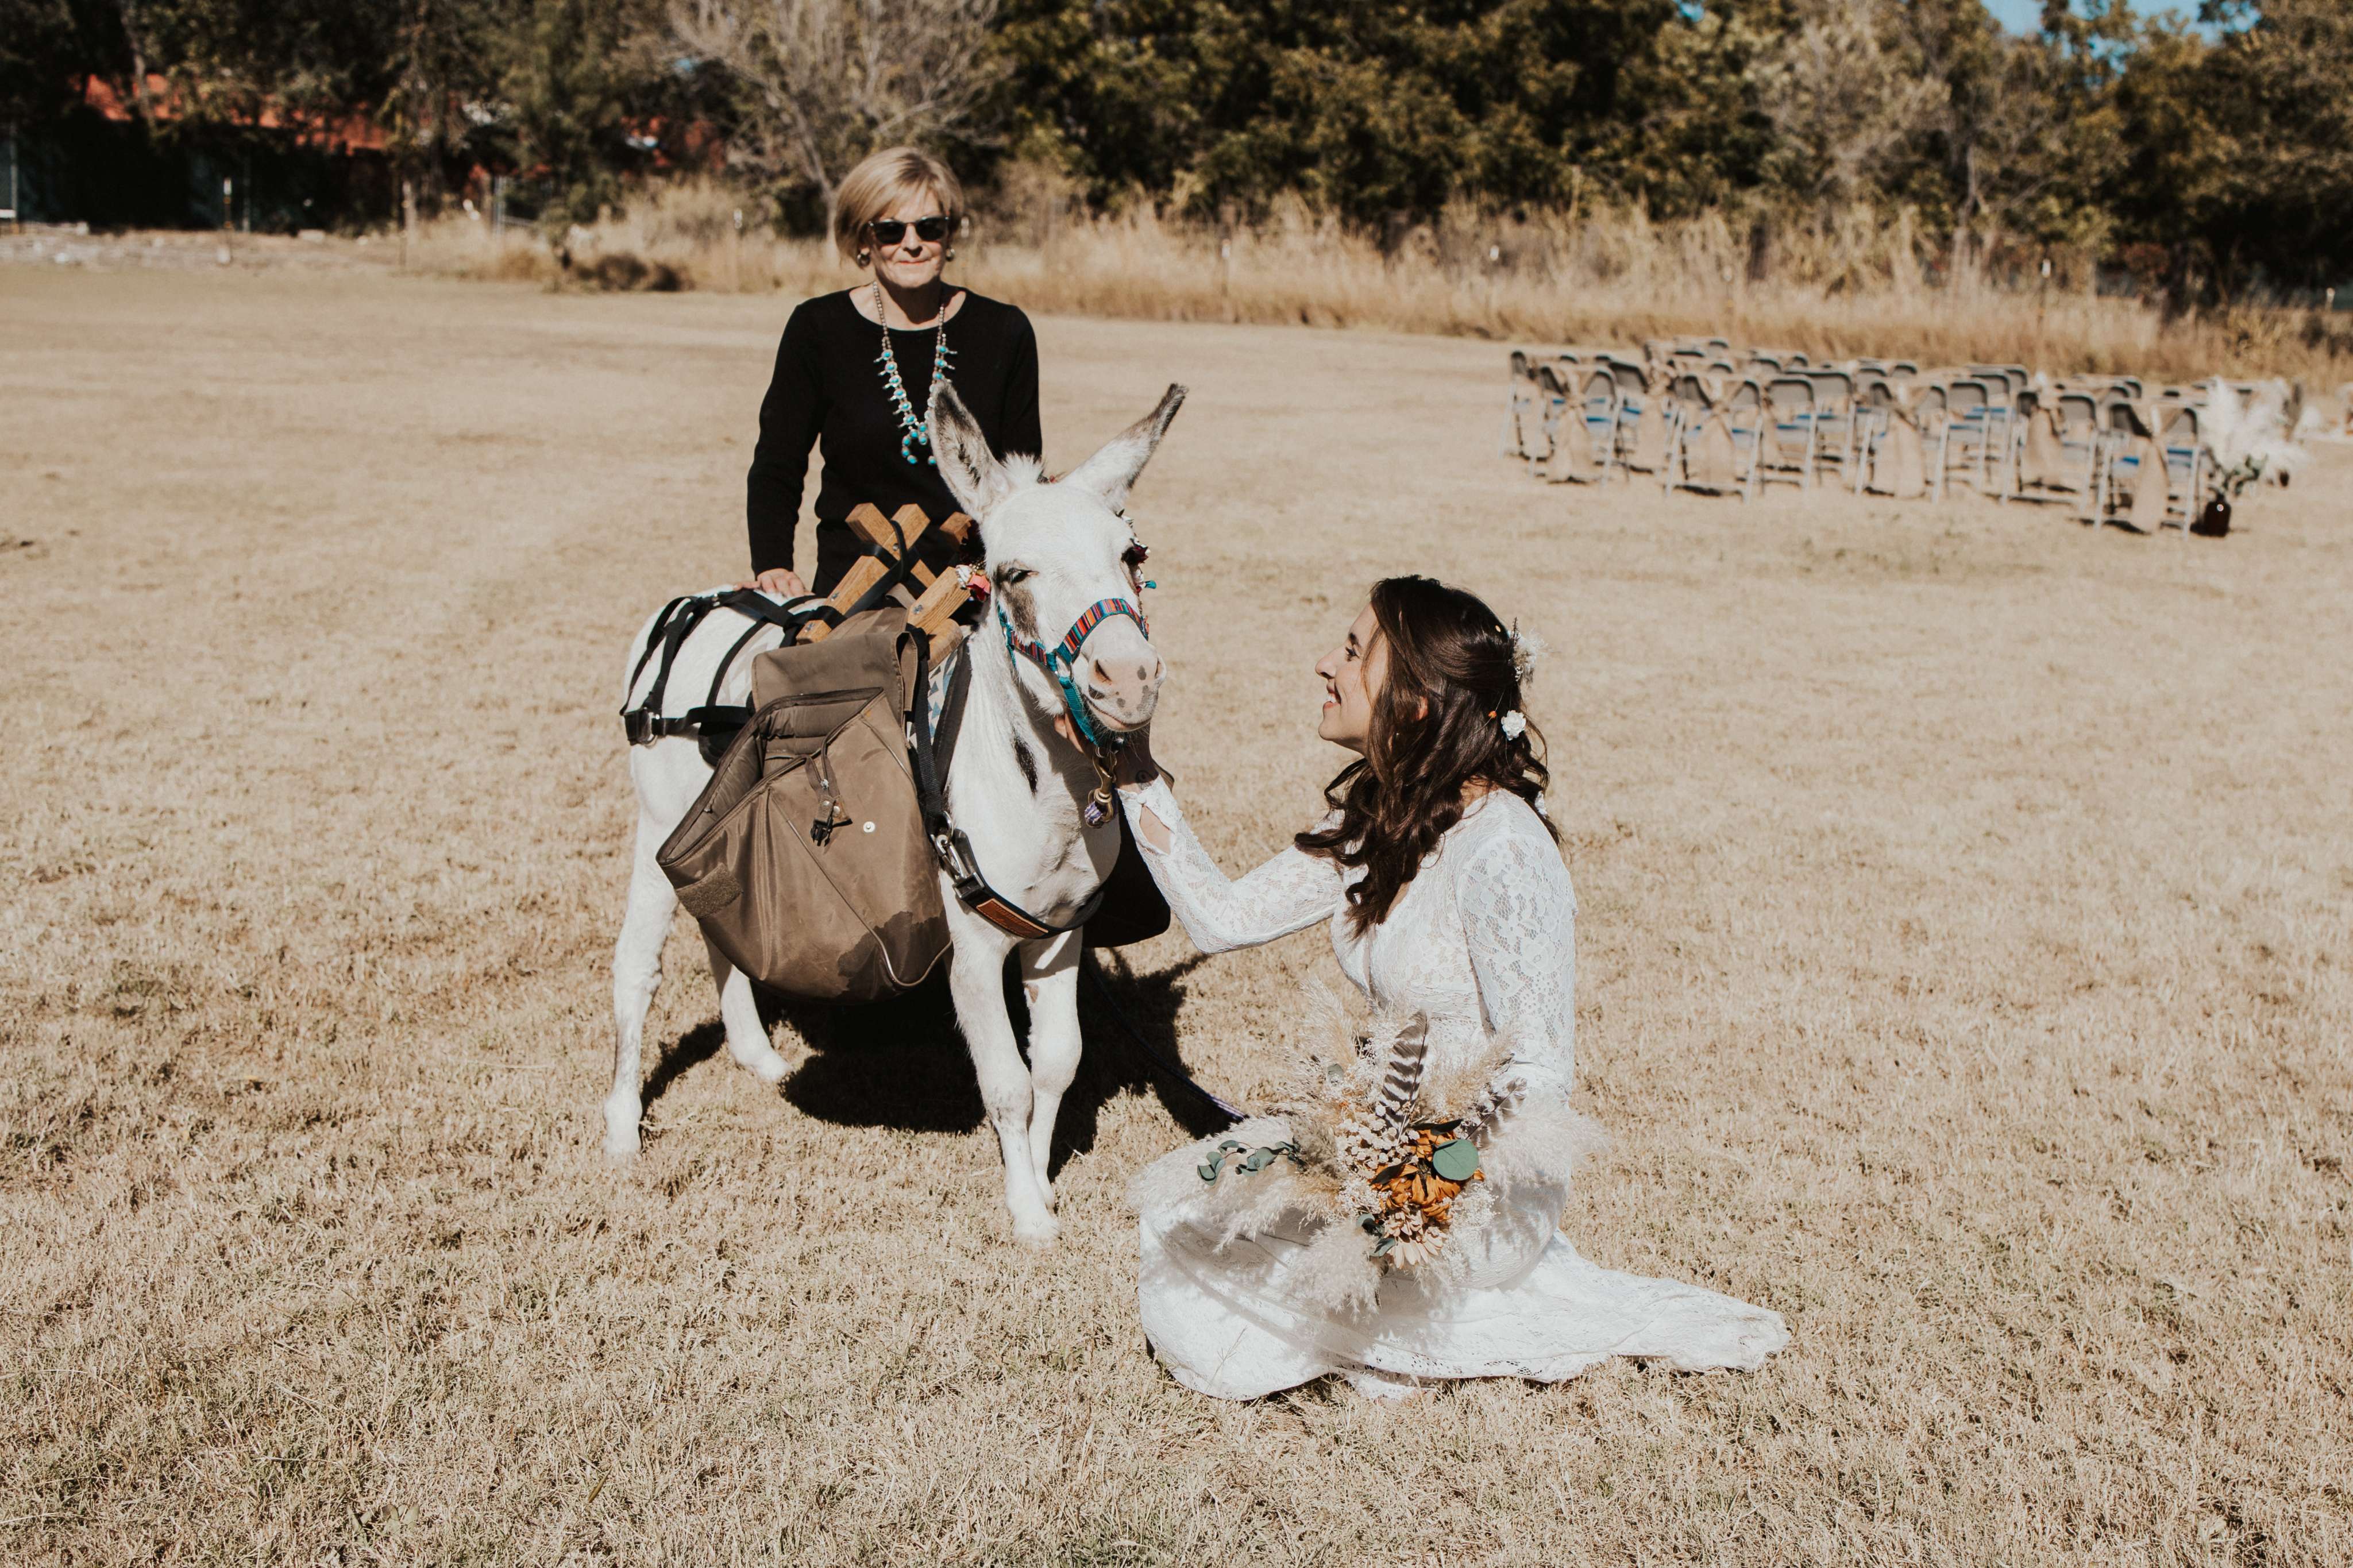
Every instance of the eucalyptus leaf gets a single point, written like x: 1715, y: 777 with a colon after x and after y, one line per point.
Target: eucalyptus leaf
x: 1457, y: 1160
x: 1260, y: 1159
x: 1209, y: 1173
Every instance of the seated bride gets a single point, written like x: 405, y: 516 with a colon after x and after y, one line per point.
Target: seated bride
x: 1398, y: 1220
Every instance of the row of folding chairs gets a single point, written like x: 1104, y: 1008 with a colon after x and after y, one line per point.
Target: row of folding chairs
x: 2106, y: 433
x: 1798, y: 427
x: 1576, y: 416
x: 1607, y: 390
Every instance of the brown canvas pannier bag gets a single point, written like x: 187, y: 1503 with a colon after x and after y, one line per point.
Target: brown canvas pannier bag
x: 805, y: 859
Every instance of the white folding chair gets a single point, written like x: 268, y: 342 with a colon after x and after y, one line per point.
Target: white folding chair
x: 1785, y: 453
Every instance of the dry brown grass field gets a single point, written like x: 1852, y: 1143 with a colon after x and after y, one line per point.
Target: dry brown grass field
x: 1966, y: 898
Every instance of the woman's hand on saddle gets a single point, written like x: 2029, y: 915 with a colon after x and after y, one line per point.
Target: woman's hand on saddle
x: 782, y: 581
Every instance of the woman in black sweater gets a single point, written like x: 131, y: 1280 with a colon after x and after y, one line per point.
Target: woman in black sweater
x: 855, y: 369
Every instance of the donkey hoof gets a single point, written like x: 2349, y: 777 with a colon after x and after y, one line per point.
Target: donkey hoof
x: 621, y: 1132
x: 1041, y: 1232
x: 766, y: 1065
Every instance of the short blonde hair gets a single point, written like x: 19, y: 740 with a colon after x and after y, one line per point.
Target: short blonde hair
x: 870, y: 190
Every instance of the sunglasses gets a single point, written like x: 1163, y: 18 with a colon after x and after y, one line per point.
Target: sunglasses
x: 890, y: 231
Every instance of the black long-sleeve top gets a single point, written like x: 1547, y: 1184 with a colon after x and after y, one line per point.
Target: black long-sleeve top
x: 829, y: 388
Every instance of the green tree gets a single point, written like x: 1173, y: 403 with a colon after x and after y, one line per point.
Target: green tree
x: 48, y: 49
x: 2279, y: 93
x: 1387, y: 109
x: 583, y: 74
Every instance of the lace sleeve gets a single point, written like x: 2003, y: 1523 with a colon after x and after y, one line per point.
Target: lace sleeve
x: 1290, y: 892
x: 1519, y: 912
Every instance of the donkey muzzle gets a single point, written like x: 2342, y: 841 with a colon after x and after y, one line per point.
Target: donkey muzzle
x: 1120, y: 676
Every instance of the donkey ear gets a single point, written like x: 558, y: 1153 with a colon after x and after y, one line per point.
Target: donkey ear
x: 974, y: 476
x: 1111, y: 470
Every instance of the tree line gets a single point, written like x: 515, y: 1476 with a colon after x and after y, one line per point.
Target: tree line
x: 2217, y: 158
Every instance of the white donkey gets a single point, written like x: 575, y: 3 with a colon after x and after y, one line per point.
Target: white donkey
x: 1017, y: 788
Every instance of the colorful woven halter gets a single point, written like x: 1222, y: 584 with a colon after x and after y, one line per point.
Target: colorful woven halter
x: 1057, y: 660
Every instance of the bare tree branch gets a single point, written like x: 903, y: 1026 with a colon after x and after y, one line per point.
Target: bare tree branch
x: 824, y: 82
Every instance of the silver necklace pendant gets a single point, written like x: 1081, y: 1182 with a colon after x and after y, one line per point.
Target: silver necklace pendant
x: 917, y: 431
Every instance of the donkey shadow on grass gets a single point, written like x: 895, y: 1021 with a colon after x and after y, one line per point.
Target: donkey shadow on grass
x: 902, y: 1064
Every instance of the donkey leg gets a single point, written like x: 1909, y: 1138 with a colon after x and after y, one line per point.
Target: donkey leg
x: 976, y: 979
x: 637, y: 973
x: 739, y: 1012
x: 1049, y: 974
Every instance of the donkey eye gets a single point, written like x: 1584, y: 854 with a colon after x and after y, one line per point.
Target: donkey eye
x: 1007, y: 576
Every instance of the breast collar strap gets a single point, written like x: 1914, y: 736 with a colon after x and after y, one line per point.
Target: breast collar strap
x: 1058, y: 660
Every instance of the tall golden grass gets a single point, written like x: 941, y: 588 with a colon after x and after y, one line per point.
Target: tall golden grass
x: 1861, y: 284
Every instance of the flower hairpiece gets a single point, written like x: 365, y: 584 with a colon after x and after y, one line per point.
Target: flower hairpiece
x: 1514, y: 723
x: 1527, y: 649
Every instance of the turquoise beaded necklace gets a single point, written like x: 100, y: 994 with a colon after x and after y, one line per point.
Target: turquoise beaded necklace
x: 917, y: 429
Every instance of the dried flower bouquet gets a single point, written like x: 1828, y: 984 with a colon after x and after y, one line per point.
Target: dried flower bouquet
x: 1379, y: 1152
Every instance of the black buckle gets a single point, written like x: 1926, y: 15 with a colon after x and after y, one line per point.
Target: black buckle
x: 638, y: 724
x: 954, y: 852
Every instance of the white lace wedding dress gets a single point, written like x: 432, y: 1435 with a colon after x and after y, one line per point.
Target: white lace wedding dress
x: 1482, y: 942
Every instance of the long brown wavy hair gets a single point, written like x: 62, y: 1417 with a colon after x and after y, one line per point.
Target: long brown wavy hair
x: 1446, y: 649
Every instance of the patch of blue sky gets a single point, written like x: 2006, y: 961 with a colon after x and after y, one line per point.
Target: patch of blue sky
x: 2026, y: 16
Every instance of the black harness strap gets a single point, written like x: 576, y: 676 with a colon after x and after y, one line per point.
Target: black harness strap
x: 654, y: 636
x: 680, y: 619
x: 646, y: 723
x: 952, y: 712
x: 718, y: 677
x: 900, y: 574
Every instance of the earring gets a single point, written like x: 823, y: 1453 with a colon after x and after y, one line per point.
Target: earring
x: 864, y: 257
x: 951, y: 254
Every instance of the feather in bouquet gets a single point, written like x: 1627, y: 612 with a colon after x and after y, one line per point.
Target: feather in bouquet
x: 1379, y: 1152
